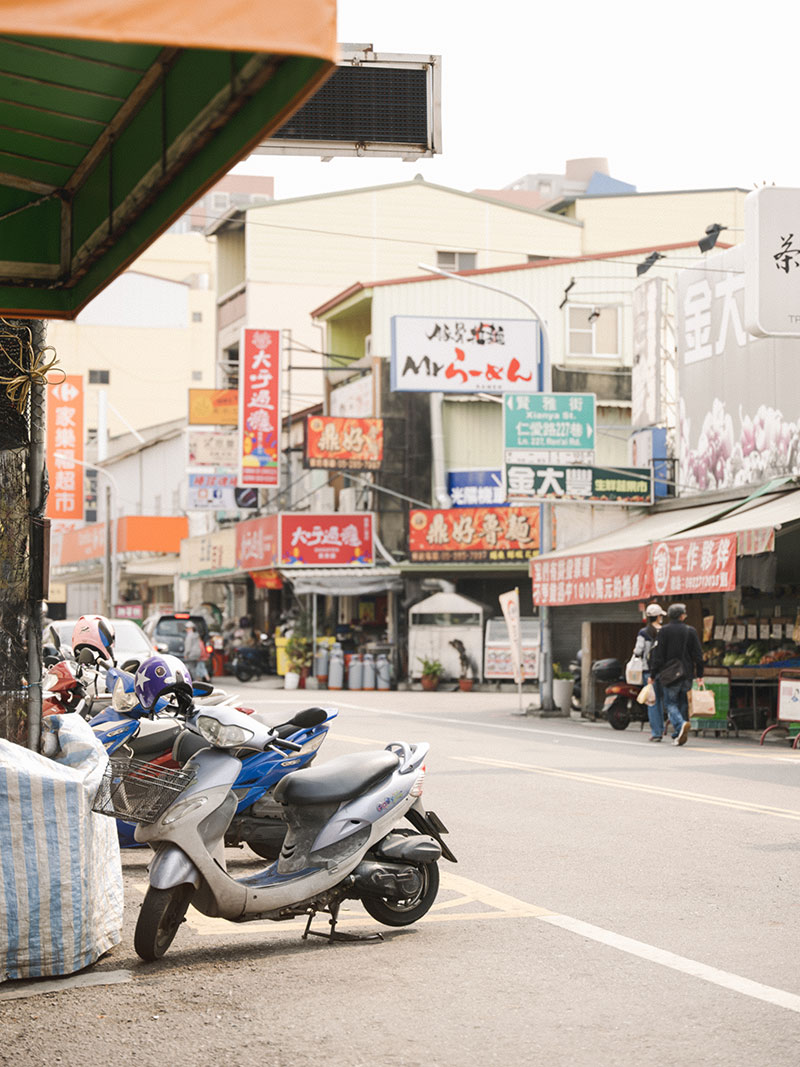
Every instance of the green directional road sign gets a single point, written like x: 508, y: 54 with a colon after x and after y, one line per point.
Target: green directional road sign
x: 549, y: 427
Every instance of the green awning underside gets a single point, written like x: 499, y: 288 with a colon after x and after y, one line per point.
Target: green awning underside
x: 103, y: 145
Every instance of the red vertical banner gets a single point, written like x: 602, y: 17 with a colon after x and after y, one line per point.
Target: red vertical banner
x: 65, y: 449
x: 259, y: 408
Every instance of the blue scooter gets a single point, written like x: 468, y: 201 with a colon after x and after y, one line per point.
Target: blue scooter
x: 161, y: 737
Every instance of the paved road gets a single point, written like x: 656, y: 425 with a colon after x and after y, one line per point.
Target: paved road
x: 615, y: 902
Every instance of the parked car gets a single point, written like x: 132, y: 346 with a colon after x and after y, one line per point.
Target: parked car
x: 130, y: 640
x: 168, y: 630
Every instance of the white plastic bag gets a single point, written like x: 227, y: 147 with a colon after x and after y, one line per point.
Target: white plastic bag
x: 634, y: 670
x: 647, y: 695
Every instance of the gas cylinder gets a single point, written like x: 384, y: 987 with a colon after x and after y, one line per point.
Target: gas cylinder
x: 368, y: 676
x: 321, y: 664
x: 336, y: 669
x: 383, y: 671
x: 355, y: 672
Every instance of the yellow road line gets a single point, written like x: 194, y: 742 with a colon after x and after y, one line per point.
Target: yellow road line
x: 617, y: 783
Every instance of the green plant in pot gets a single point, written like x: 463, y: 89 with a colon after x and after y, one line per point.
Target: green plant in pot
x: 298, y: 653
x: 432, y: 671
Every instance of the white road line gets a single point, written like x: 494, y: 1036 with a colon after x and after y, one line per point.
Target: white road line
x: 36, y: 987
x: 536, y: 730
x: 779, y: 997
x: 618, y: 783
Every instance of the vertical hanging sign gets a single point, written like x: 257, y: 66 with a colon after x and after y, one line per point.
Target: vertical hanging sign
x: 65, y: 449
x: 259, y: 408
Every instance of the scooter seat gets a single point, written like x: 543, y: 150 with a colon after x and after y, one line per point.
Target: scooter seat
x: 341, y: 779
x: 154, y: 739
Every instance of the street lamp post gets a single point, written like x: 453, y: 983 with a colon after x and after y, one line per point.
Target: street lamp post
x: 546, y: 515
x: 109, y: 572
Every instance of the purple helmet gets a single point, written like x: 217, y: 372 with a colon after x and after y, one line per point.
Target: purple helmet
x: 159, y: 676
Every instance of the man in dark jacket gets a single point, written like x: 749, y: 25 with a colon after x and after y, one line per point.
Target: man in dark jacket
x: 677, y: 642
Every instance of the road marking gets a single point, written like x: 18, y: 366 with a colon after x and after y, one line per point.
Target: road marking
x: 617, y: 783
x: 37, y: 987
x: 466, y: 894
x: 539, y: 732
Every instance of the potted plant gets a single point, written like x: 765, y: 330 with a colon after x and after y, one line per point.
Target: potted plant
x: 432, y: 671
x: 298, y: 653
x: 466, y: 679
x: 563, y: 683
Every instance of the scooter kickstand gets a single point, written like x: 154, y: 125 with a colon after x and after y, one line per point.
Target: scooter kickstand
x: 336, y: 935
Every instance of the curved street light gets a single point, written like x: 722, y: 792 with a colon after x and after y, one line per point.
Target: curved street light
x: 546, y: 524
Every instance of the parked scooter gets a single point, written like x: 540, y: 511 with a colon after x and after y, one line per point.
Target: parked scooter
x: 251, y: 661
x: 620, y: 706
x: 160, y: 737
x: 62, y: 691
x: 344, y: 839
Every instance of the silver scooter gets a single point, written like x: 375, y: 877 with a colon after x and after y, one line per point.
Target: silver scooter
x: 344, y: 838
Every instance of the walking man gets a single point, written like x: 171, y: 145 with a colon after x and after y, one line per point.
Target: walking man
x: 675, y: 660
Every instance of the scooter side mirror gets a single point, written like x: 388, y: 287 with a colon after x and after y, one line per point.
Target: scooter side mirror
x: 86, y: 656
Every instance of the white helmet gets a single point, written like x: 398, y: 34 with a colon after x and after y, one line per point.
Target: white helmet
x: 654, y: 611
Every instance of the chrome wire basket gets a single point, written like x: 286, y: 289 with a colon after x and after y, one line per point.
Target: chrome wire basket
x: 137, y: 791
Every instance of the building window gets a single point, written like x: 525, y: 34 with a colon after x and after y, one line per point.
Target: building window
x: 197, y: 376
x: 219, y: 202
x: 197, y: 316
x: 593, y: 331
x: 98, y: 377
x: 456, y: 260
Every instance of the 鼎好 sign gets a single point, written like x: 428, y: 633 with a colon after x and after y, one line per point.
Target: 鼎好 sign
x: 344, y: 443
x: 497, y: 534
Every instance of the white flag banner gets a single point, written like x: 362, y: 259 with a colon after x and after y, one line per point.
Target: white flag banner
x: 509, y: 602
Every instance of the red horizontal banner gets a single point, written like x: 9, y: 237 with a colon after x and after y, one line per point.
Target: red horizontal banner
x: 473, y: 534
x: 667, y: 568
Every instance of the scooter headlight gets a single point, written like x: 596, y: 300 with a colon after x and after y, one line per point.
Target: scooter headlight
x: 122, y: 701
x: 221, y: 735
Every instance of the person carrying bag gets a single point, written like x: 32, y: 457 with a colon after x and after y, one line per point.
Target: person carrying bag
x: 640, y: 661
x: 676, y: 659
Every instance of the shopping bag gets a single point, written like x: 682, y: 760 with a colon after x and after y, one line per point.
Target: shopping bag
x: 647, y: 695
x: 701, y: 704
x: 634, y: 670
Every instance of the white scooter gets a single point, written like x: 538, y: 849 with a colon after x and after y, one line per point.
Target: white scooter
x: 344, y: 838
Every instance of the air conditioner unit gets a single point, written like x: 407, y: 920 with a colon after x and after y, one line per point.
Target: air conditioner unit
x: 323, y: 499
x: 347, y: 499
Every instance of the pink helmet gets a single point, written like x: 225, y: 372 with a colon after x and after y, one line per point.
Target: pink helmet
x: 94, y: 632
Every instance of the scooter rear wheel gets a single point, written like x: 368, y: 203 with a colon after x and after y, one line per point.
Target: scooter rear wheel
x: 163, y: 911
x: 618, y: 715
x: 243, y: 671
x: 406, y: 912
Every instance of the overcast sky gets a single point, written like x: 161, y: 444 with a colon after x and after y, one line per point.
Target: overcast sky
x: 681, y: 95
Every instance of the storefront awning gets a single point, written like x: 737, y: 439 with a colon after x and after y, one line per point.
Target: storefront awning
x: 117, y: 116
x: 343, y: 581
x: 676, y: 552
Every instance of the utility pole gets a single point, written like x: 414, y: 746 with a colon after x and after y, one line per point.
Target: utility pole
x: 546, y: 509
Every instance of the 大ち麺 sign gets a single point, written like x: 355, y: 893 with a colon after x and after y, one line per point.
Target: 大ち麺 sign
x: 336, y: 540
x: 473, y: 534
x: 259, y: 408
x: 344, y: 443
x: 459, y: 355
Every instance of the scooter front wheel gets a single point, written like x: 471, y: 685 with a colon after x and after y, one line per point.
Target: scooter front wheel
x: 163, y: 911
x: 406, y: 912
x: 618, y: 715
